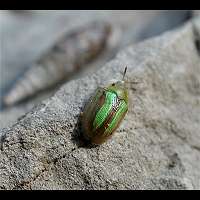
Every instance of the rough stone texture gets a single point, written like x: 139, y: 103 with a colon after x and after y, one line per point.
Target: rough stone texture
x: 157, y: 145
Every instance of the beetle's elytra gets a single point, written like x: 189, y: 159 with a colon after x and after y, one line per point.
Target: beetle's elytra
x: 104, y: 111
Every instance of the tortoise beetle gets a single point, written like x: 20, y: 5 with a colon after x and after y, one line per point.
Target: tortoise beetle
x: 104, y: 111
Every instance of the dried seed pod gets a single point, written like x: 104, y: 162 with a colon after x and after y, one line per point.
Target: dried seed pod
x: 68, y: 55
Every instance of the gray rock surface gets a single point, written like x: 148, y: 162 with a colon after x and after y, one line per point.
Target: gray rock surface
x: 157, y: 145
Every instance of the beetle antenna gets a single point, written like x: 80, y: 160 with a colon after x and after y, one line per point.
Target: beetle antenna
x: 124, y: 73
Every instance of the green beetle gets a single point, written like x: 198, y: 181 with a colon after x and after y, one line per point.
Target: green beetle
x: 104, y: 111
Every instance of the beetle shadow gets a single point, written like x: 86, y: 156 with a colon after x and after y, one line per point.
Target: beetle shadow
x: 77, y: 135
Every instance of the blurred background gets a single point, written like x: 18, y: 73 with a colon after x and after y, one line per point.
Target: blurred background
x: 28, y: 37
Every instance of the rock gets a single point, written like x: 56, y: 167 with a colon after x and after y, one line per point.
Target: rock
x: 135, y: 25
x: 157, y: 145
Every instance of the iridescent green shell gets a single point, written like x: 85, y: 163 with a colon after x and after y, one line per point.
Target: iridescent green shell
x: 104, y: 112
